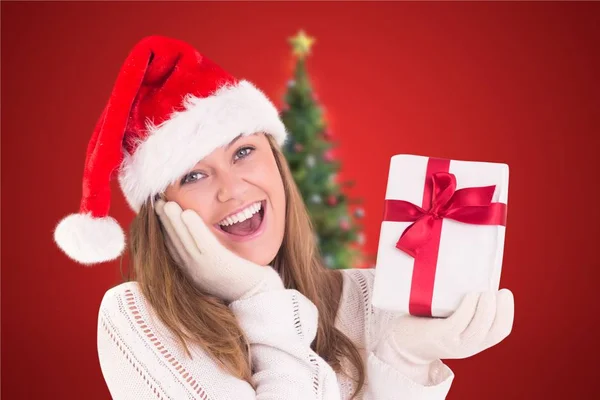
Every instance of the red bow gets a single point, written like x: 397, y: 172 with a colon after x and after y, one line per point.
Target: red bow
x: 469, y: 205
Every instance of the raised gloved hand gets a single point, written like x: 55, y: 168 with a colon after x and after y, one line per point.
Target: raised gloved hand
x: 212, y: 267
x: 481, y: 321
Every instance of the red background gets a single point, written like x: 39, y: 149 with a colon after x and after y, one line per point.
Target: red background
x: 501, y: 82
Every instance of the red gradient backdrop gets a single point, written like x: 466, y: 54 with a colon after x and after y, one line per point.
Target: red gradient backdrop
x: 501, y: 82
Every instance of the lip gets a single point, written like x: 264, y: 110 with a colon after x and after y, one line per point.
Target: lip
x: 252, y: 236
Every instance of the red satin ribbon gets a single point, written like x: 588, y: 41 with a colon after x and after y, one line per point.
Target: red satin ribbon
x: 422, y: 238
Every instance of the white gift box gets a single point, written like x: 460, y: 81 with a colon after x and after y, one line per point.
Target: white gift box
x: 469, y: 255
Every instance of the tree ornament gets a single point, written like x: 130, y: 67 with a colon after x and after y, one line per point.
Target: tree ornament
x: 311, y: 161
x: 361, y: 238
x: 316, y: 199
x: 359, y: 213
x: 332, y: 200
x: 301, y: 44
x: 344, y: 224
x: 298, y: 147
x: 328, y: 156
x: 329, y: 260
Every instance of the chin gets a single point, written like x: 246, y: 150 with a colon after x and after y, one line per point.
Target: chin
x: 257, y: 256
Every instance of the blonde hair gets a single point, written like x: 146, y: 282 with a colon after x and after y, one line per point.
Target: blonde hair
x: 198, y: 318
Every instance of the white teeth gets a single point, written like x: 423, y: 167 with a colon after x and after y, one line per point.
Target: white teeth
x: 243, y: 215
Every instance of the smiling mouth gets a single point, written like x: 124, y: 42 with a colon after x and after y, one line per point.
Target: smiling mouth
x: 248, y: 226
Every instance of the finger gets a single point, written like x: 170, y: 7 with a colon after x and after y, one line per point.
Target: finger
x: 463, y: 315
x: 505, y: 314
x: 180, y: 232
x: 159, y: 206
x: 200, y: 233
x: 174, y: 245
x: 485, y: 313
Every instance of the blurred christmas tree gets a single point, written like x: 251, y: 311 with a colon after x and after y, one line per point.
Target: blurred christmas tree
x: 309, y: 153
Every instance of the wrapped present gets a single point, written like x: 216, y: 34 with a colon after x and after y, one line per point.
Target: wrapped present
x: 442, y: 234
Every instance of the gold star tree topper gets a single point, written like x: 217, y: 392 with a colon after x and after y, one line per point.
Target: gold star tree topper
x: 301, y: 44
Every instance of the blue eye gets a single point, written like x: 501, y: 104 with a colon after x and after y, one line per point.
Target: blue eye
x: 243, y: 152
x: 189, y: 177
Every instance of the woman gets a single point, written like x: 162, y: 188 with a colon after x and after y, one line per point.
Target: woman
x: 229, y: 298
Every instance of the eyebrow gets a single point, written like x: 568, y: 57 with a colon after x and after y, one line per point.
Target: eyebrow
x: 238, y: 137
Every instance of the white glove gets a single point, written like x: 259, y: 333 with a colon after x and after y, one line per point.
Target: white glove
x: 212, y: 267
x: 481, y: 321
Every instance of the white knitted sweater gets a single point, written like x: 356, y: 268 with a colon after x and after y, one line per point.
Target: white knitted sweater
x: 140, y: 359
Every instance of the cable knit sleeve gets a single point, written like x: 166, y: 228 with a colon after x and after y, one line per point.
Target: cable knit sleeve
x: 141, y: 359
x: 365, y: 324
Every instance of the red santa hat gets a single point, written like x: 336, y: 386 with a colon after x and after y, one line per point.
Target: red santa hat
x: 170, y: 107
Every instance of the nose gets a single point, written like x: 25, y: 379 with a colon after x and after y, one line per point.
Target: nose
x: 230, y: 186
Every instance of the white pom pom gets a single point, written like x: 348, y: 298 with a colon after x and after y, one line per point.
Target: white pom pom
x: 90, y: 240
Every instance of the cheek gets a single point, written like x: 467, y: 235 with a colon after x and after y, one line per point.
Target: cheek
x: 191, y: 199
x: 266, y: 176
x: 277, y: 196
x: 270, y: 179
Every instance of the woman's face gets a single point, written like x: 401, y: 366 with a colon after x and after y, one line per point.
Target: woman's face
x: 237, y: 190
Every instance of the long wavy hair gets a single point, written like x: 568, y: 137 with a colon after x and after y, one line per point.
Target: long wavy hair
x: 199, y: 318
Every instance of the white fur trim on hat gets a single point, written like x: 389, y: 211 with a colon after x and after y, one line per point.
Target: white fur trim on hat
x: 175, y: 146
x: 90, y: 240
